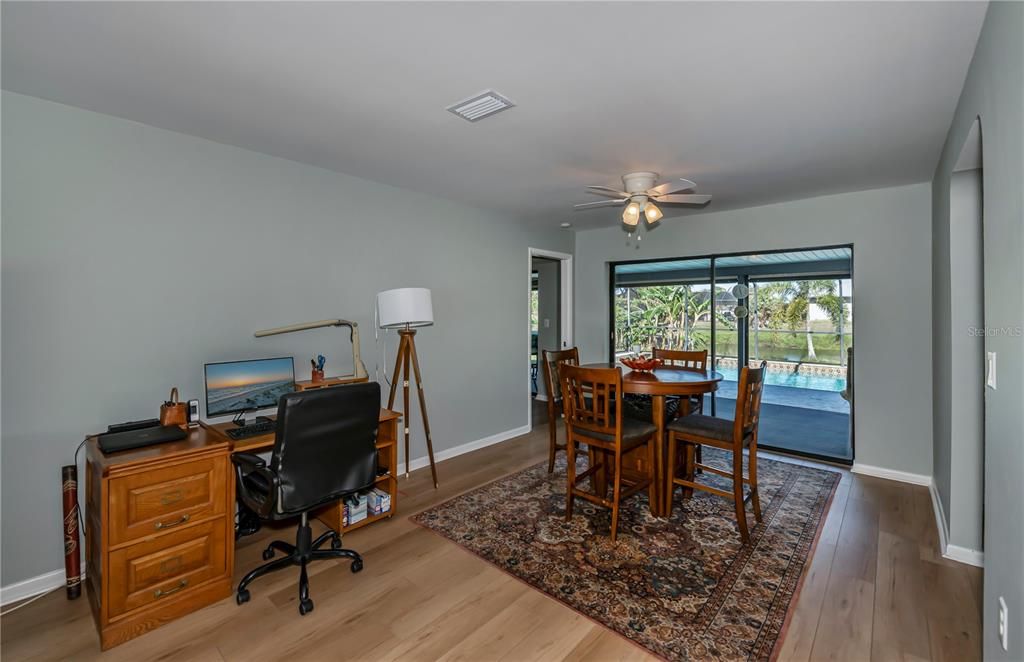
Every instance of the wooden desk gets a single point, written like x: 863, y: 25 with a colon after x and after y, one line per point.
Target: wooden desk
x: 658, y: 384
x: 159, y: 525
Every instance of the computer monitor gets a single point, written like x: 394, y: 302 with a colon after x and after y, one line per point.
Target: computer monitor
x: 236, y: 387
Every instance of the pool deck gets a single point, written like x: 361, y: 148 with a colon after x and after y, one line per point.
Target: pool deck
x: 796, y: 419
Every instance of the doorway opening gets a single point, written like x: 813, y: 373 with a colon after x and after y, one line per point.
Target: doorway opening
x: 961, y: 361
x: 792, y: 309
x: 550, y: 321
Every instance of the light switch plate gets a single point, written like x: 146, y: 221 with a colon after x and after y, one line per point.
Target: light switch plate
x: 990, y: 369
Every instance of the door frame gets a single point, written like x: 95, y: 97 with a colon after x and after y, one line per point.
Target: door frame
x: 565, y: 316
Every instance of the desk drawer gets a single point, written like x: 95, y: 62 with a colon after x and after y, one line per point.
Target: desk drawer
x: 168, y: 565
x: 158, y: 500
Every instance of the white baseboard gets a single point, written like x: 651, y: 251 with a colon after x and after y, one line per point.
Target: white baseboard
x: 33, y: 586
x: 940, y: 517
x: 891, y: 474
x: 965, y: 555
x: 420, y: 462
x: 949, y: 551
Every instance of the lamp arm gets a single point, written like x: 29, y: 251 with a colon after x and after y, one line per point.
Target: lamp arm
x: 357, y: 362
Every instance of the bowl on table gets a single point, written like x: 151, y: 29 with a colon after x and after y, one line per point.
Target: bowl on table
x: 641, y: 363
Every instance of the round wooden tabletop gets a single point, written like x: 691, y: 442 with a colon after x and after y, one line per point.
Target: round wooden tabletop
x: 665, y: 380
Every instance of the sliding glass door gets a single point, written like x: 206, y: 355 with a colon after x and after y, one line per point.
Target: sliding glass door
x: 664, y: 305
x: 793, y: 309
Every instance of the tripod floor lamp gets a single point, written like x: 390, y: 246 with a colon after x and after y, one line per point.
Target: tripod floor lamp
x: 405, y: 309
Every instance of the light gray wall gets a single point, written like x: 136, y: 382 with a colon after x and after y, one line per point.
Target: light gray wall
x: 547, y: 308
x: 967, y: 422
x: 132, y: 255
x: 890, y: 231
x: 994, y: 91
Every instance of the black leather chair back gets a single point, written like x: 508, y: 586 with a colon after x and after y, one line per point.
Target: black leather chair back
x: 326, y: 444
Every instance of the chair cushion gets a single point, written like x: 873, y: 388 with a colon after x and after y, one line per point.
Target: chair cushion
x: 632, y: 430
x: 704, y: 426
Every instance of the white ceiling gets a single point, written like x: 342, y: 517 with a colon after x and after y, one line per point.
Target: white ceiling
x: 756, y: 102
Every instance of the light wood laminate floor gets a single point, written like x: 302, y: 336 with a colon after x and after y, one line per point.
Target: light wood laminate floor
x: 876, y: 589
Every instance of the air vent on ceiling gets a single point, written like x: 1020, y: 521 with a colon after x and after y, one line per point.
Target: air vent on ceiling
x: 480, y: 106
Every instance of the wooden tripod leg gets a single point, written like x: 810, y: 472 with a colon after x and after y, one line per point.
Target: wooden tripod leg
x: 423, y: 407
x: 394, y: 377
x: 405, y: 400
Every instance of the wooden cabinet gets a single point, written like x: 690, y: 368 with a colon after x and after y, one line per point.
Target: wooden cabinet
x: 159, y: 533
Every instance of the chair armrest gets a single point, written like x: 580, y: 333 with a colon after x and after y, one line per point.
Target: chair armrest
x: 248, y: 462
x: 252, y: 467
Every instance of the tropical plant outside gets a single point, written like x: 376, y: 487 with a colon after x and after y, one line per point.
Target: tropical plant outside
x: 799, y: 321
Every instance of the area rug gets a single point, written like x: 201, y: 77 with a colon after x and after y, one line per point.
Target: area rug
x: 683, y: 588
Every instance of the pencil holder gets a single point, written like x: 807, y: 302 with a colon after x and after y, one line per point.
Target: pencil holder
x: 318, y: 376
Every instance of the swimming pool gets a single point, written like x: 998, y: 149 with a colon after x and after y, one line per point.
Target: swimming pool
x: 787, y: 378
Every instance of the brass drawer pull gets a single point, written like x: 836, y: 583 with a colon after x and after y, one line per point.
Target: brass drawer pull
x: 159, y: 593
x: 167, y: 525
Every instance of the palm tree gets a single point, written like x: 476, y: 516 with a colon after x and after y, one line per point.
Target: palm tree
x: 803, y: 293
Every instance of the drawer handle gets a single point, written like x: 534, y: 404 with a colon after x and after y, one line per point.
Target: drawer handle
x: 167, y: 525
x: 159, y: 593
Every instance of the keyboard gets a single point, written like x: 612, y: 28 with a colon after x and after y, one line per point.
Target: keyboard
x: 254, y: 430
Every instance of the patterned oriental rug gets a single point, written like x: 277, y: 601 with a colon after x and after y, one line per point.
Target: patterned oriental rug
x: 683, y: 588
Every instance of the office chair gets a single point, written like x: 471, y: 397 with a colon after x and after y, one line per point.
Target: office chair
x: 325, y: 450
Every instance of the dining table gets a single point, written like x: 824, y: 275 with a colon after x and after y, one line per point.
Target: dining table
x: 659, y: 383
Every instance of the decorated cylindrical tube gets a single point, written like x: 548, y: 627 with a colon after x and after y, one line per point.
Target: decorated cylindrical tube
x: 72, y: 552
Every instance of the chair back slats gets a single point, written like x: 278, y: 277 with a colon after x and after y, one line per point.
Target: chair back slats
x: 551, y: 361
x: 591, y: 398
x: 688, y: 359
x: 748, y: 400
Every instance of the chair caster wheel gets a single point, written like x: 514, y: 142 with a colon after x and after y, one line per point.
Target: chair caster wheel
x: 336, y: 542
x: 305, y: 606
x: 268, y: 554
x: 242, y: 597
x: 357, y: 565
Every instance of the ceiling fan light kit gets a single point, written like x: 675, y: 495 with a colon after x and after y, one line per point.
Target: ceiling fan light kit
x: 652, y: 213
x: 631, y: 214
x: 640, y: 194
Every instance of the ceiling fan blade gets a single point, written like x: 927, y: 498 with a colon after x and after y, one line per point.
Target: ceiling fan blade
x: 600, y: 203
x: 671, y: 187
x: 684, y: 199
x: 610, y: 192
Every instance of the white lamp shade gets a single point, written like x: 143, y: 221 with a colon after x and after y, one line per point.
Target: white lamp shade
x: 406, y: 306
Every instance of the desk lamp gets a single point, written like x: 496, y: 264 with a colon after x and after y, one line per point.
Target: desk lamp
x: 358, y: 369
x: 405, y: 309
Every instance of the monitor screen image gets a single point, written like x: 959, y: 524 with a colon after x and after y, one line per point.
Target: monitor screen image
x: 237, y: 386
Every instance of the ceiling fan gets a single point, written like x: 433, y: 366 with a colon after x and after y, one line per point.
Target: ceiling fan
x: 640, y: 194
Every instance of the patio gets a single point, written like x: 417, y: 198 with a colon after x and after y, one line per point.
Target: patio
x: 796, y: 419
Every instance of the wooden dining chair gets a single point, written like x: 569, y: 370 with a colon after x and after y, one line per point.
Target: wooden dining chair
x: 687, y: 360
x: 592, y: 400
x: 553, y: 387
x: 734, y: 436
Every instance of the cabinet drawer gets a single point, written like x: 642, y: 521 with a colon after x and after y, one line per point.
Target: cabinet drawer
x: 154, y: 501
x: 174, y: 563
